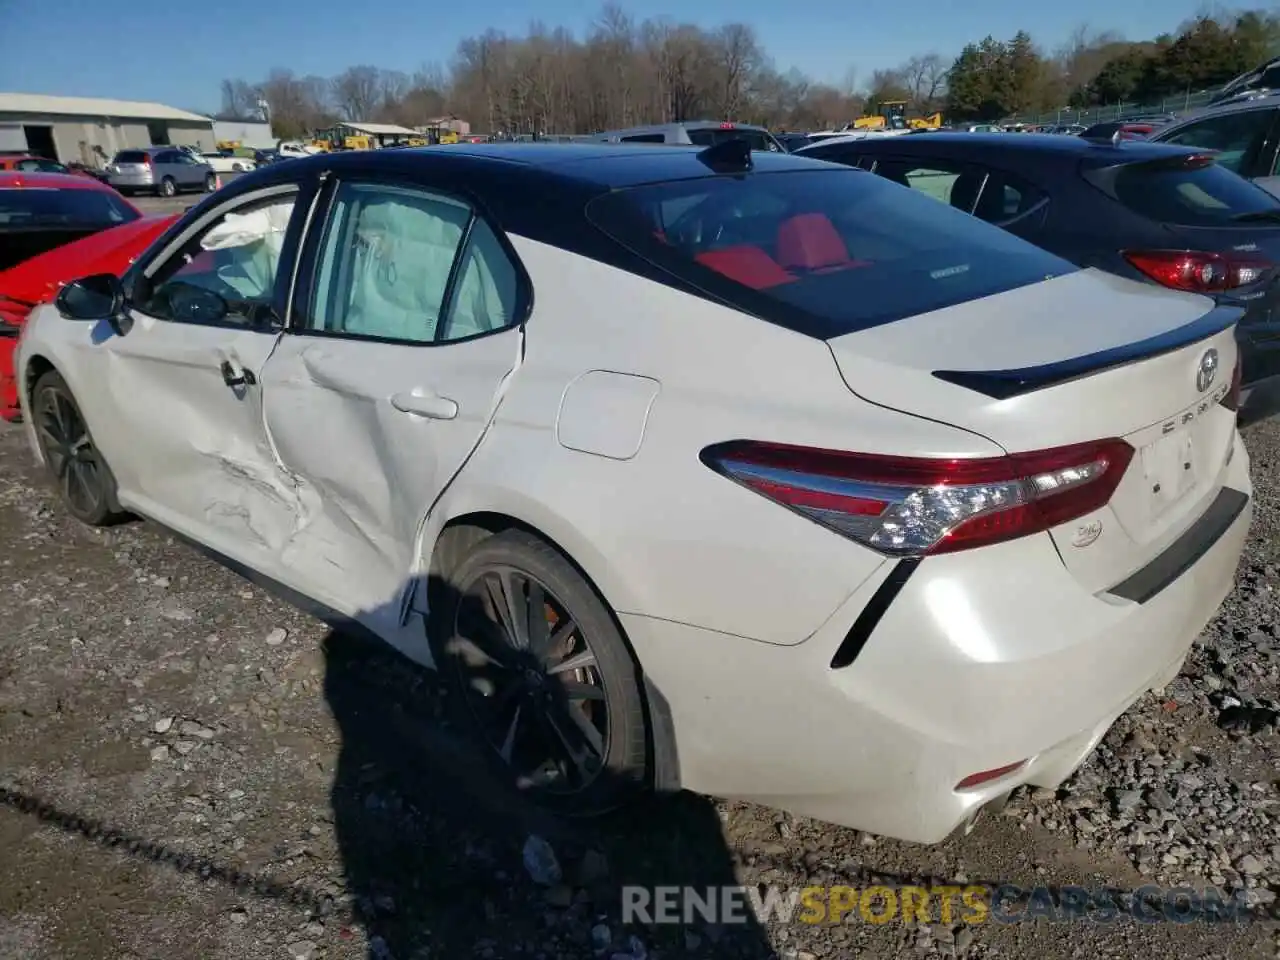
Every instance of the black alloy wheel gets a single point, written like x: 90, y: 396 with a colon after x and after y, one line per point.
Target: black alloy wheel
x: 545, y: 679
x: 81, y: 475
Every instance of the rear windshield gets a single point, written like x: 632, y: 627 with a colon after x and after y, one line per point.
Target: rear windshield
x: 826, y: 252
x: 38, y: 207
x: 130, y: 156
x: 40, y: 165
x: 1197, y: 195
x: 709, y: 136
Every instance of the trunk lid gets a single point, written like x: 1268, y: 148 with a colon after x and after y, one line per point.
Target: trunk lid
x: 1079, y: 358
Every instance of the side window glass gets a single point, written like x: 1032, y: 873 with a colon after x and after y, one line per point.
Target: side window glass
x: 1235, y: 136
x: 1006, y: 197
x: 227, y: 273
x: 645, y: 138
x: 385, y: 262
x: 487, y: 288
x: 949, y: 183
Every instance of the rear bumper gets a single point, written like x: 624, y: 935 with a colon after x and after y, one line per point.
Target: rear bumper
x: 131, y: 180
x: 982, y: 660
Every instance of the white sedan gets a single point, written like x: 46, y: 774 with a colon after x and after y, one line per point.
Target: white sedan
x: 746, y: 474
x: 227, y: 163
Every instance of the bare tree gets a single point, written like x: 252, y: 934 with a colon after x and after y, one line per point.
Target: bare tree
x: 737, y: 57
x: 239, y: 100
x: 357, y: 92
x: 626, y: 71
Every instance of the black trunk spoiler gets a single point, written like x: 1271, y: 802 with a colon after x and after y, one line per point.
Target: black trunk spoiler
x: 1003, y: 384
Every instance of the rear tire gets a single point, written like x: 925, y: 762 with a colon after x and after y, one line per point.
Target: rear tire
x: 560, y: 717
x: 168, y: 187
x: 210, y: 183
x: 78, y: 470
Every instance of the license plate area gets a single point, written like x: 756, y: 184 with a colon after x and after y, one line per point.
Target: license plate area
x: 1169, y: 470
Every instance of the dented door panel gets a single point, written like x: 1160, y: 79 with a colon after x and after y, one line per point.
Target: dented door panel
x: 342, y: 417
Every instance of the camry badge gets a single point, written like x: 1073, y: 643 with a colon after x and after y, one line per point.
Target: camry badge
x: 1207, y: 371
x: 1087, y: 534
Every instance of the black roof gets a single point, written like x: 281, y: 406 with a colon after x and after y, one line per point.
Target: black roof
x: 592, y: 166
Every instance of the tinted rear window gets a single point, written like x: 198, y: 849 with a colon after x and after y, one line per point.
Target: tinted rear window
x: 708, y: 136
x: 130, y: 156
x: 828, y: 252
x: 37, y: 207
x: 1190, y: 196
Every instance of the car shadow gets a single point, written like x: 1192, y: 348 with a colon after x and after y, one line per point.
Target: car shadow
x: 435, y: 843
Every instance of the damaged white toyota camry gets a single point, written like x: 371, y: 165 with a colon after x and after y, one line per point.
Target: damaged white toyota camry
x: 734, y: 472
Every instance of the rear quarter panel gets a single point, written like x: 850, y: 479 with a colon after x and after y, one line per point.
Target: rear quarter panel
x: 660, y: 533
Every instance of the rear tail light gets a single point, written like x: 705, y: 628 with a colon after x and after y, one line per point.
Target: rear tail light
x: 1232, y: 400
x: 906, y: 506
x: 1198, y: 272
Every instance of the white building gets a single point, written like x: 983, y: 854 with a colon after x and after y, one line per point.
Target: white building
x: 248, y: 133
x: 89, y: 130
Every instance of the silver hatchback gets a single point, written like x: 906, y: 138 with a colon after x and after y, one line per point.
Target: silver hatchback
x: 164, y: 171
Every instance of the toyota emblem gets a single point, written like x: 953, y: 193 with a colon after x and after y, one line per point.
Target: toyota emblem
x: 1207, y: 371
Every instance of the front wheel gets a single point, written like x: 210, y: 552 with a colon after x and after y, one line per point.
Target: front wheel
x: 81, y: 475
x: 210, y: 183
x: 542, y: 675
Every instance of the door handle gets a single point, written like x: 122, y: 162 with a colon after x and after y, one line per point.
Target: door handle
x: 233, y: 378
x: 425, y: 405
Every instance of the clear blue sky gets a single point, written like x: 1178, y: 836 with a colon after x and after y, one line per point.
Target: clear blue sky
x: 178, y: 53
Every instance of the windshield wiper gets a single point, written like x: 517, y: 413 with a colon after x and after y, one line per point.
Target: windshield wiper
x: 1255, y: 215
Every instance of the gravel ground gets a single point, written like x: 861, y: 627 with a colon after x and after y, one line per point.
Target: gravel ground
x: 192, y: 768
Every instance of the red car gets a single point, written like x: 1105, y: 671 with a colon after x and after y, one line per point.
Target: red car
x: 28, y: 163
x: 55, y: 228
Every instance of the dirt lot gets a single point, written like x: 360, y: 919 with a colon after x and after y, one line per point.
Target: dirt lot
x: 192, y: 768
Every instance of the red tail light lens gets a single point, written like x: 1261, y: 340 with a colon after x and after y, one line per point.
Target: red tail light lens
x: 1198, y: 272
x: 1232, y: 400
x: 906, y: 506
x: 986, y: 776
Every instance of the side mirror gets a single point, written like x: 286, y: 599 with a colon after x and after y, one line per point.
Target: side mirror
x: 99, y: 297
x: 191, y: 304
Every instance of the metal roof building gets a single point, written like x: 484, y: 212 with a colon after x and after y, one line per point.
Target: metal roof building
x: 90, y: 130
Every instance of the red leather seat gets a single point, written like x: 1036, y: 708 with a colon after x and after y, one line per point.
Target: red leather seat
x: 748, y: 265
x: 810, y: 241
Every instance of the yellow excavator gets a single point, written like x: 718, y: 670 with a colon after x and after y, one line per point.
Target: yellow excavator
x: 892, y: 115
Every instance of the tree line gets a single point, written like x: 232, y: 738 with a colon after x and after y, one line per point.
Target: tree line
x: 626, y: 72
